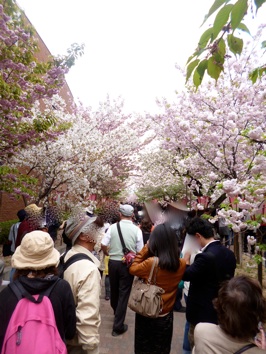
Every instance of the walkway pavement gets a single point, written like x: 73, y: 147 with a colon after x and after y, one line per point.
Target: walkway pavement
x: 125, y: 343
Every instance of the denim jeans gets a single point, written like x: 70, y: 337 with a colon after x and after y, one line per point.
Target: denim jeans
x: 186, y: 344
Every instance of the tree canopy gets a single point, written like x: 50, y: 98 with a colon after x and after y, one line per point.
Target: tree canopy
x: 222, y: 38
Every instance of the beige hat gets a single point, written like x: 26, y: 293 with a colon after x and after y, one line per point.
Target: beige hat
x: 32, y: 209
x: 75, y: 226
x: 35, y: 252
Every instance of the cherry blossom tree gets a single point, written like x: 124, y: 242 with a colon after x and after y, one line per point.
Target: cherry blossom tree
x: 94, y: 156
x: 156, y: 177
x: 24, y: 80
x: 217, y: 138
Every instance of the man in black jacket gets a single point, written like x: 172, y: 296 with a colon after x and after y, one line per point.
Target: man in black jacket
x: 214, y: 265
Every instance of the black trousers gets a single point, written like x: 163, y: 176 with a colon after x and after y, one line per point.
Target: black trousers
x: 120, y: 283
x: 153, y: 335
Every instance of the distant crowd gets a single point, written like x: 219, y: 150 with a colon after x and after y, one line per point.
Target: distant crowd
x: 52, y: 303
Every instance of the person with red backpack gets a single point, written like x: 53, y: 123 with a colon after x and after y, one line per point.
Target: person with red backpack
x: 37, y: 310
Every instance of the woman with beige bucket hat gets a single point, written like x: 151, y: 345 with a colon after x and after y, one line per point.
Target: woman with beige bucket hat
x: 35, y: 261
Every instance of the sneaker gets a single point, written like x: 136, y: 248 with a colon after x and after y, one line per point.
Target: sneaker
x: 118, y: 333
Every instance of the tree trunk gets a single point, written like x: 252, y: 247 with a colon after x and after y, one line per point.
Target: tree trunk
x: 240, y: 247
x: 236, y: 247
x: 260, y: 269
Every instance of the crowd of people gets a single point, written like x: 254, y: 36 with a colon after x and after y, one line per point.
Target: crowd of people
x: 224, y: 313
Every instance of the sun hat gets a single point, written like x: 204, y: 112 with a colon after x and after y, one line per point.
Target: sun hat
x: 74, y: 227
x: 35, y: 252
x: 33, y: 209
x: 126, y: 209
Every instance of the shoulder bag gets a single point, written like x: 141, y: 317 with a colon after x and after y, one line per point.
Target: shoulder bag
x: 245, y: 348
x: 145, y: 298
x: 129, y: 256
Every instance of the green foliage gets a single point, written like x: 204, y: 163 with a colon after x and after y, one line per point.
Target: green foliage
x: 191, y: 67
x: 12, y: 180
x: 73, y: 53
x: 259, y: 3
x: 216, y: 5
x: 170, y: 192
x: 44, y: 122
x: 199, y: 72
x: 228, y: 19
x: 258, y: 258
x: 221, y: 20
x: 238, y: 12
x: 235, y: 44
x: 214, y: 69
x: 206, y: 216
x: 4, y: 230
x: 243, y: 28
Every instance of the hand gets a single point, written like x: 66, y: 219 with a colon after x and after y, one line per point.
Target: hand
x: 260, y: 339
x: 187, y: 258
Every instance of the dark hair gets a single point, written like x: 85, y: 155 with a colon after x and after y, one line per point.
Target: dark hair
x: 146, y: 225
x: 99, y: 221
x: 201, y: 226
x: 240, y: 307
x: 163, y: 243
x: 21, y: 214
x: 36, y: 273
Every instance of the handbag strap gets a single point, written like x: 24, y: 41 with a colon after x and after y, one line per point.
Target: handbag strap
x: 246, y: 347
x: 154, y: 263
x: 125, y: 250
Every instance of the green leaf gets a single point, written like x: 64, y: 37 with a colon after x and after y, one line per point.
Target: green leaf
x: 254, y: 75
x: 214, y: 69
x: 199, y: 73
x: 191, y: 57
x: 259, y: 3
x: 196, y: 79
x: 191, y: 67
x: 235, y: 44
x: 263, y: 44
x: 215, y: 6
x: 243, y: 27
x: 206, y: 36
x: 221, y: 19
x: 221, y: 47
x: 238, y: 12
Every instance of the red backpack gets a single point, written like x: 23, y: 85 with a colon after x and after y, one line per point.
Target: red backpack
x: 32, y: 328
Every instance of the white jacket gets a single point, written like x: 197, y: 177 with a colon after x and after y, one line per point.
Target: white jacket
x: 85, y: 281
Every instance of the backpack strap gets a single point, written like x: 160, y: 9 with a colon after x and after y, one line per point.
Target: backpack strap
x: 75, y: 258
x: 125, y: 249
x: 20, y: 292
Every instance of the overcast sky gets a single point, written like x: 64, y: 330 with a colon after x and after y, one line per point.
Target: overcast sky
x: 131, y: 47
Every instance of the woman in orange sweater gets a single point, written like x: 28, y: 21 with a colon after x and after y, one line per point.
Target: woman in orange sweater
x: 154, y: 335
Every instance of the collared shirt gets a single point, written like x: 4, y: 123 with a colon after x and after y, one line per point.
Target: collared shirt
x: 132, y: 236
x: 203, y: 248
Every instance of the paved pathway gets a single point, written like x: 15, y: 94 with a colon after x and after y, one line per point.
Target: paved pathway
x: 125, y: 343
